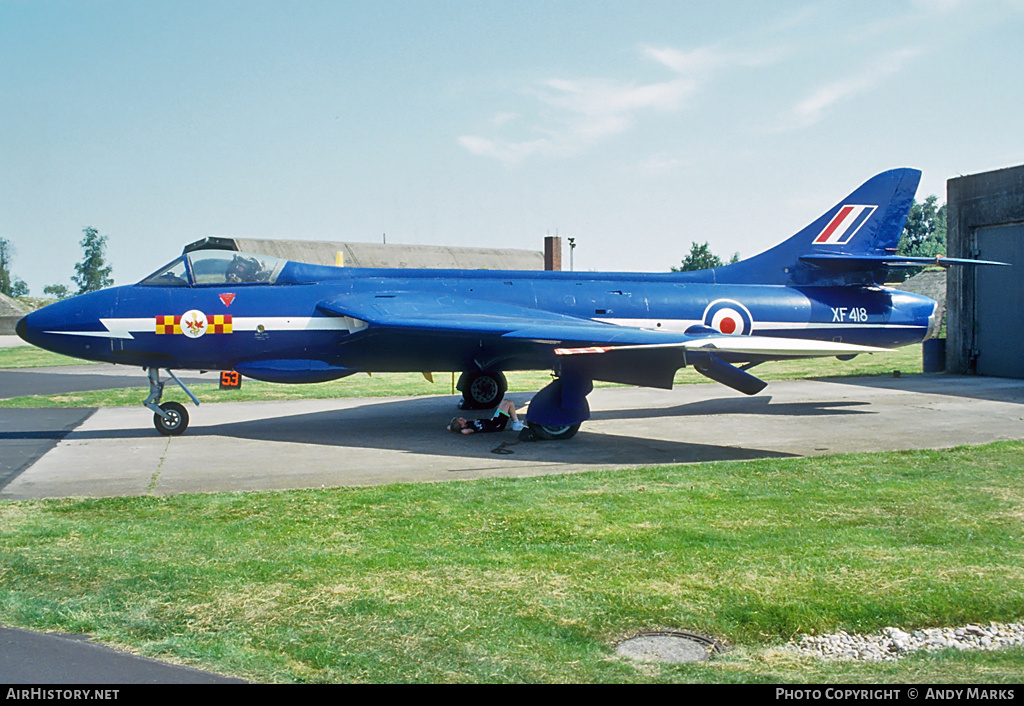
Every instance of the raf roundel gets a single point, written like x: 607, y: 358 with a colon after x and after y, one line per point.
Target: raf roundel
x: 728, y: 317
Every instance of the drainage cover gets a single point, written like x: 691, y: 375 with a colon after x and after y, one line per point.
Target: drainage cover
x: 674, y: 646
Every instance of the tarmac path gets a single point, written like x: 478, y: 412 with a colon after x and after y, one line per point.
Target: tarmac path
x: 322, y: 443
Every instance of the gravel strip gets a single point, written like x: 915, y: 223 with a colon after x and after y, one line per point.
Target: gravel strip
x: 892, y: 643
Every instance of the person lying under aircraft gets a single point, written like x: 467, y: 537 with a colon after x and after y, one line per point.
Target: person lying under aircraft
x: 505, y: 413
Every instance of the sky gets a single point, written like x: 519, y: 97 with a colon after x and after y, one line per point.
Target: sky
x: 634, y: 127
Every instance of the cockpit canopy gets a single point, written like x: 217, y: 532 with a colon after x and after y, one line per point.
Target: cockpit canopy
x: 217, y: 267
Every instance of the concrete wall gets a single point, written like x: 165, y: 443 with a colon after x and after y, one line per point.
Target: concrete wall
x: 11, y: 311
x: 975, y: 203
x: 406, y: 256
x: 7, y: 324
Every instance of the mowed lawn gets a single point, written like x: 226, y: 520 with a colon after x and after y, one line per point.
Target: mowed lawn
x: 536, y: 580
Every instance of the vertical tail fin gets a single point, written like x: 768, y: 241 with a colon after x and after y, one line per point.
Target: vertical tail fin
x: 846, y: 245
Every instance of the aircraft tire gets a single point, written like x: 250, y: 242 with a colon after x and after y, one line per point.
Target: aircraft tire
x: 177, y: 424
x: 483, y: 389
x: 554, y: 433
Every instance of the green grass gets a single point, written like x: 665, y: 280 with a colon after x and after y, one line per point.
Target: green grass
x: 907, y: 360
x: 32, y: 357
x: 535, y: 580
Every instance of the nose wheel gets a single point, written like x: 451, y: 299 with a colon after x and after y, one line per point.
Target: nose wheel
x: 169, y: 418
x: 175, y: 421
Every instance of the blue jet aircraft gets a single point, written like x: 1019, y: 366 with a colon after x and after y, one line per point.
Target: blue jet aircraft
x: 820, y: 293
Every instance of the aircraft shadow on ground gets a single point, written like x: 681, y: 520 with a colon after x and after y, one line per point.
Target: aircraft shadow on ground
x: 417, y: 426
x: 951, y: 385
x: 737, y: 405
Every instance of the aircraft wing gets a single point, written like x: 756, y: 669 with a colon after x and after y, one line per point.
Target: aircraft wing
x: 414, y: 311
x: 572, y: 335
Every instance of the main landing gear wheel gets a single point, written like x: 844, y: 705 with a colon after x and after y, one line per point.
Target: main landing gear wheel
x: 554, y: 433
x: 177, y: 422
x: 483, y: 389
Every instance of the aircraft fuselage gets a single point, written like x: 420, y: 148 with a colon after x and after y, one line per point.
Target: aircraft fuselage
x: 128, y: 324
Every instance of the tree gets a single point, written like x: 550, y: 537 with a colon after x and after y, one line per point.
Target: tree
x: 700, y: 258
x: 11, y: 286
x: 93, y: 273
x: 5, y: 266
x: 60, y: 291
x: 924, y: 234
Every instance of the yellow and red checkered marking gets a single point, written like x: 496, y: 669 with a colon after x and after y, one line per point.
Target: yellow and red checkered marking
x: 168, y: 324
x: 218, y: 323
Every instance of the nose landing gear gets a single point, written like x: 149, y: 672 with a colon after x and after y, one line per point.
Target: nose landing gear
x: 175, y: 419
x: 169, y: 418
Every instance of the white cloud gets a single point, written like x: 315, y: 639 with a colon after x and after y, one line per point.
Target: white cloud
x: 661, y: 164
x: 701, y: 62
x: 814, y: 108
x: 585, y: 111
x: 508, y: 152
x: 694, y: 61
x: 939, y: 5
x: 602, y: 98
x: 500, y: 119
x: 572, y: 115
x: 575, y: 114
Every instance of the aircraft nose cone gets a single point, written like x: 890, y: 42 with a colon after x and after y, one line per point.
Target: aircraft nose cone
x: 21, y: 328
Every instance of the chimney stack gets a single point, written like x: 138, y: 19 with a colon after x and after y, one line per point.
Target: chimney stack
x: 552, y: 253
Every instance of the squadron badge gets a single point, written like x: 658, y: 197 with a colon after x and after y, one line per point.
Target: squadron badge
x: 194, y: 324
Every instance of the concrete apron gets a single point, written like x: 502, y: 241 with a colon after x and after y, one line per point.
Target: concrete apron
x: 322, y: 443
